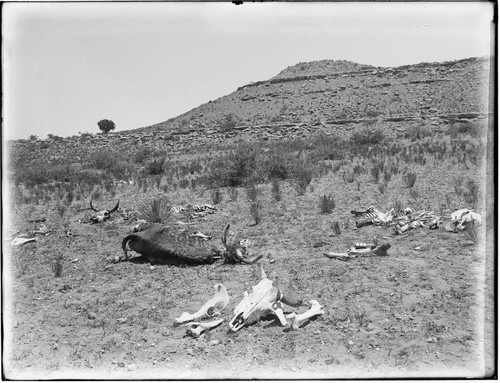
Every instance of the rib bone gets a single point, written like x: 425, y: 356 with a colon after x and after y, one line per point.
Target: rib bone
x: 213, y: 307
x: 195, y: 329
x: 298, y: 319
x: 21, y: 241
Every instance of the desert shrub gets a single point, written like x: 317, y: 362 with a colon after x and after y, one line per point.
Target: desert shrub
x: 326, y: 204
x: 387, y: 176
x: 57, y: 266
x: 382, y: 187
x: 348, y: 177
x: 60, y: 209
x: 216, y: 196
x: 277, y: 165
x: 228, y: 122
x: 418, y: 133
x: 328, y: 147
x: 184, y: 183
x: 409, y: 179
x: 155, y: 166
x: 375, y: 171
x: 276, y: 189
x: 233, y: 194
x: 336, y: 228
x: 414, y: 193
x: 253, y: 193
x: 472, y: 193
x: 145, y: 153
x: 367, y: 137
x: 158, y: 210
x: 473, y: 129
x: 255, y: 212
x: 236, y: 168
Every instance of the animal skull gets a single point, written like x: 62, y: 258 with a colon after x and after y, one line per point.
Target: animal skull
x: 463, y: 217
x: 297, y: 320
x: 237, y: 252
x: 195, y: 329
x: 264, y: 299
x: 213, y: 307
x: 102, y: 215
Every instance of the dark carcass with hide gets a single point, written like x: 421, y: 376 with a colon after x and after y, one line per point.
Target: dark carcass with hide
x: 159, y: 244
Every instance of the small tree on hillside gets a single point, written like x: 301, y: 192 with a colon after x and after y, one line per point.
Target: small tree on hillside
x: 106, y: 125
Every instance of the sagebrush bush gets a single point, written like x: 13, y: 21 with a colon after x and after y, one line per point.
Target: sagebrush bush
x: 159, y: 210
x: 155, y: 166
x: 367, y: 137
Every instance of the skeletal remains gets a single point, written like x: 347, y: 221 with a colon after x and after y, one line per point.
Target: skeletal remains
x: 102, y: 215
x: 361, y: 250
x: 195, y: 329
x: 299, y: 319
x: 211, y: 308
x: 461, y: 218
x: 237, y: 252
x: 264, y: 299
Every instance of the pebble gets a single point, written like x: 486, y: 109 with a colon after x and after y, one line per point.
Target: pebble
x: 122, y: 320
x: 121, y: 364
x: 92, y: 315
x: 350, y: 342
x: 431, y: 340
x: 152, y: 268
x: 132, y: 367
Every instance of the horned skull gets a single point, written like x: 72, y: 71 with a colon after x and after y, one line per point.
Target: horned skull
x: 102, y: 215
x: 264, y: 299
x: 237, y: 252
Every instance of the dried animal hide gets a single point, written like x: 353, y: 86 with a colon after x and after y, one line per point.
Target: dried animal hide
x: 160, y: 245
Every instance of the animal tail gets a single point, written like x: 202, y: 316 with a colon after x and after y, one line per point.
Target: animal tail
x: 124, y: 244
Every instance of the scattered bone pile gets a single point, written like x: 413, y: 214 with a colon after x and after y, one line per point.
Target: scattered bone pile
x: 405, y: 220
x: 263, y: 299
x: 194, y: 211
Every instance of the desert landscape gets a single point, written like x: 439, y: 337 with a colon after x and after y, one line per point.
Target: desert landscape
x: 284, y: 162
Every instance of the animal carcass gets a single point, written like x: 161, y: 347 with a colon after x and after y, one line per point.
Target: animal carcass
x: 159, y: 244
x: 264, y: 299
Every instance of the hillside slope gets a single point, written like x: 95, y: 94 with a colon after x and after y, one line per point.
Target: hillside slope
x: 334, y: 90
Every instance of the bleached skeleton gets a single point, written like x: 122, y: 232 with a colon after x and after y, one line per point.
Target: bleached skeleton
x: 264, y: 299
x: 102, y: 215
x: 210, y: 309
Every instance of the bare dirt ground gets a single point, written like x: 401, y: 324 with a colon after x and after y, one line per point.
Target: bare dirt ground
x: 426, y: 310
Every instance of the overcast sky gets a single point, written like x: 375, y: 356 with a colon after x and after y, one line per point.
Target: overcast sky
x: 68, y: 65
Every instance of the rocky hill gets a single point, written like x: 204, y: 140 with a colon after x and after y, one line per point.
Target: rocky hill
x: 334, y: 96
x: 340, y: 92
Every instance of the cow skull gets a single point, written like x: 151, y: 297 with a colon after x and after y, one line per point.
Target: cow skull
x: 264, y: 299
x: 195, y: 329
x: 463, y: 217
x: 102, y: 215
x: 298, y: 319
x: 213, y: 307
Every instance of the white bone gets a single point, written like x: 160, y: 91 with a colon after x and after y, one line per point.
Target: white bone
x: 21, y: 241
x: 213, y: 307
x: 264, y: 299
x: 199, y: 234
x: 195, y: 329
x: 298, y: 319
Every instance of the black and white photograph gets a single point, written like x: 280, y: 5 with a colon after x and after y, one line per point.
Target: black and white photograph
x: 249, y: 190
